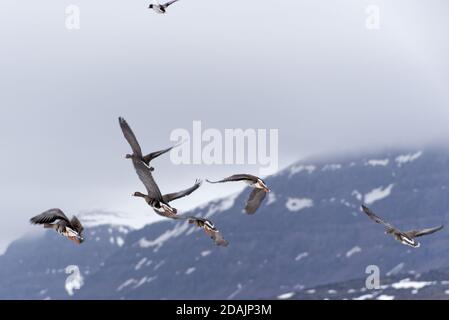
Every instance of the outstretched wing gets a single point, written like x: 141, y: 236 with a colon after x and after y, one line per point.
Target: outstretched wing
x: 423, y: 232
x: 236, y: 177
x: 219, y: 240
x: 144, y: 174
x: 165, y: 5
x: 147, y: 159
x: 212, y: 231
x: 49, y: 216
x: 130, y: 137
x: 76, y: 224
x: 376, y: 219
x: 255, y: 199
x: 176, y: 195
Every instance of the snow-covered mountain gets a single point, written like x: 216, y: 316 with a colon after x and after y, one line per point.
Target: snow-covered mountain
x: 309, y: 232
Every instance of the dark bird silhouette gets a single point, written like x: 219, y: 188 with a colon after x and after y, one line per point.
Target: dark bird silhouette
x: 56, y: 219
x: 408, y: 237
x: 257, y: 195
x: 210, y: 229
x: 161, y: 8
x: 154, y: 198
x: 135, y: 146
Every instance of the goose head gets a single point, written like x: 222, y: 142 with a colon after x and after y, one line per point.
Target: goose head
x: 261, y: 185
x: 74, y: 236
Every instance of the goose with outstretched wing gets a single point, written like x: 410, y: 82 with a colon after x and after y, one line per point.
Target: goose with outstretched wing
x: 56, y: 219
x: 135, y: 146
x: 407, y: 238
x: 209, y: 228
x: 161, y: 8
x: 257, y: 195
x: 154, y: 198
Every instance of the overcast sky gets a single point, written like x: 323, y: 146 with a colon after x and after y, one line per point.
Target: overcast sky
x: 308, y: 68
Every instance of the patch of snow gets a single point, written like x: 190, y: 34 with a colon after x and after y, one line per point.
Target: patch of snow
x: 140, y: 263
x: 111, y: 240
x: 236, y: 292
x: 378, y: 194
x: 357, y: 195
x: 141, y: 282
x: 160, y: 264
x: 206, y: 253
x: 301, y: 256
x: 221, y: 205
x: 190, y: 270
x: 385, y: 297
x: 119, y: 220
x: 311, y: 291
x: 120, y: 242
x: 285, y: 296
x: 126, y: 284
x: 297, y: 169
x: 177, y: 231
x: 346, y: 203
x: 271, y: 198
x: 365, y: 297
x: 192, y: 230
x: 407, y: 284
x: 377, y: 162
x: 353, y: 251
x: 331, y: 167
x: 406, y: 158
x: 331, y: 291
x: 297, y: 204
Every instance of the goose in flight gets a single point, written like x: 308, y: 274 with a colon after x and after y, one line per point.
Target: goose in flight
x: 154, y: 198
x: 161, y: 8
x: 257, y: 195
x: 135, y: 146
x: 56, y: 219
x: 407, y: 238
x: 210, y: 229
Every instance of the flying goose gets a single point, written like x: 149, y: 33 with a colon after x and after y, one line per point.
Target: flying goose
x: 257, y: 195
x: 210, y: 229
x: 160, y: 8
x: 406, y: 238
x: 159, y: 202
x: 56, y: 219
x: 135, y: 146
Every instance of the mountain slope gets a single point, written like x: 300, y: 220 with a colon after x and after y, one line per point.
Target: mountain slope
x: 309, y: 232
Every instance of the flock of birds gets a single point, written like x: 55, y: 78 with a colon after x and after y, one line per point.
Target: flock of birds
x: 73, y: 229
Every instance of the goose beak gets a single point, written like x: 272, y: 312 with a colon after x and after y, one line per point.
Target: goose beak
x: 77, y: 240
